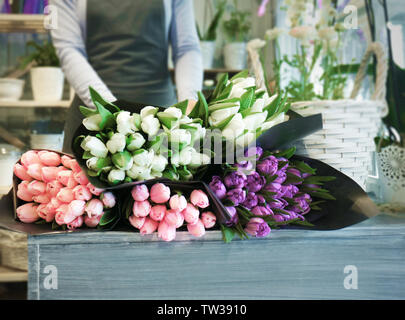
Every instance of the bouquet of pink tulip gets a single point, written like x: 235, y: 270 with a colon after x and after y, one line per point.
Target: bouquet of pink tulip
x: 57, y: 191
x: 161, y: 209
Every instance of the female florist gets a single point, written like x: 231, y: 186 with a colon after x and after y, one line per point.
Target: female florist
x: 224, y: 167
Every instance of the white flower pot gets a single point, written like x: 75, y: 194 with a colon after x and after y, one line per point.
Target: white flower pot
x: 208, y: 52
x: 47, y: 83
x: 11, y: 89
x: 235, y: 55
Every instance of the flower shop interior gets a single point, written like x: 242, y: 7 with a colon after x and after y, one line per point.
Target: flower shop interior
x: 309, y: 93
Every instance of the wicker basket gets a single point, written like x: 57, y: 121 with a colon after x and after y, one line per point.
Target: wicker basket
x: 13, y: 249
x: 349, y: 126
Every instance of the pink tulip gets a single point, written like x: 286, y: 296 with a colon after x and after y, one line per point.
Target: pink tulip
x: 44, y: 212
x: 76, y: 223
x: 158, y: 212
x: 35, y: 171
x: 53, y: 187
x: 94, y: 190
x: 63, y: 176
x: 191, y: 213
x: 55, y: 202
x: 36, y: 187
x: 140, y: 192
x: 108, y: 199
x: 197, y: 229
x: 23, y: 193
x: 77, y: 207
x: 41, y: 198
x: 51, y: 208
x: 27, y: 213
x: 21, y: 172
x: 66, y: 161
x: 30, y: 157
x: 199, y: 199
x: 174, y: 218
x: 82, y: 193
x: 159, y: 193
x: 49, y: 174
x: 94, y: 208
x: 61, y: 212
x: 65, y: 195
x: 49, y: 158
x: 208, y: 219
x: 141, y: 208
x: 149, y: 226
x: 71, y: 182
x: 81, y: 178
x: 166, y: 232
x: 74, y: 165
x: 178, y: 202
x: 136, y: 222
x: 92, y: 222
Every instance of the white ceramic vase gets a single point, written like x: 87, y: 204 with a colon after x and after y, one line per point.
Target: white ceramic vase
x: 47, y: 83
x: 11, y: 89
x: 208, y: 52
x: 235, y: 55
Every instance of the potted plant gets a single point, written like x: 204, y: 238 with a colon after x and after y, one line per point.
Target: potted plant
x: 207, y: 39
x: 47, y: 78
x: 236, y: 30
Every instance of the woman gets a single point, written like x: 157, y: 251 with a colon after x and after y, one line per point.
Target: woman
x: 120, y: 48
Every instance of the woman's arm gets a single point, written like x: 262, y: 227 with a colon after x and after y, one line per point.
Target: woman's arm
x: 186, y: 50
x: 69, y: 43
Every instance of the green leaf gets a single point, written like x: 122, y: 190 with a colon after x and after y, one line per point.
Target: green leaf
x: 242, y: 74
x: 318, y: 180
x: 108, y: 217
x: 182, y: 105
x: 107, y: 118
x: 227, y: 234
x: 121, y: 159
x: 103, y: 162
x: 224, y: 123
x: 292, y: 178
x: 322, y: 195
x: 220, y: 85
x: 203, y: 108
x: 87, y: 155
x: 96, y: 97
x: 247, y: 99
x: 87, y: 112
x: 303, y: 167
x: 226, y: 92
x: 286, y: 153
x: 167, y: 119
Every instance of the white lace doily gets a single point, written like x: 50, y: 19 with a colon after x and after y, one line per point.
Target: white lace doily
x: 392, y: 164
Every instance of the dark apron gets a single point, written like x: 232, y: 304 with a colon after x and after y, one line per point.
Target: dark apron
x: 127, y: 47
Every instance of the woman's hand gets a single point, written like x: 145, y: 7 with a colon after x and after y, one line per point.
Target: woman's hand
x: 190, y: 106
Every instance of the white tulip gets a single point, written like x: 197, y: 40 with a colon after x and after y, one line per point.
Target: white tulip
x: 144, y: 158
x: 268, y: 124
x: 258, y: 105
x: 150, y: 125
x: 156, y: 174
x: 148, y: 111
x: 116, y: 175
x: 199, y: 159
x: 253, y: 121
x: 92, y: 123
x: 92, y: 163
x: 159, y: 163
x: 145, y: 174
x: 125, y: 123
x: 185, y: 155
x: 174, y: 112
x: 218, y: 116
x: 236, y: 92
x: 268, y: 100
x: 95, y: 146
x: 185, y: 120
x: 200, y: 132
x: 180, y: 136
x: 136, y: 141
x: 234, y: 128
x: 135, y: 171
x: 245, y: 139
x: 116, y: 143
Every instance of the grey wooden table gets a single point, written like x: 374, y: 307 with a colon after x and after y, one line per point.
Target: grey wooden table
x: 364, y: 261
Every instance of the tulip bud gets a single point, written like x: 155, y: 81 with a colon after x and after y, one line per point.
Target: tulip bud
x: 141, y: 208
x: 63, y: 176
x: 180, y: 136
x: 197, y: 229
x: 140, y: 192
x: 136, y: 222
x: 122, y: 160
x: 166, y: 232
x: 36, y: 187
x: 94, y: 190
x: 21, y: 172
x: 76, y: 223
x: 135, y: 141
x: 159, y: 163
x: 208, y: 219
x: 49, y: 174
x: 49, y: 158
x: 66, y: 161
x: 82, y: 193
x: 149, y: 226
x: 92, y: 123
x: 143, y: 158
x: 158, y: 212
x: 30, y: 157
x: 150, y: 125
x: 41, y: 198
x: 125, y: 123
x: 77, y: 207
x: 27, y: 213
x: 74, y: 165
x: 92, y: 222
x: 95, y: 146
x: 148, y: 111
x: 199, y: 199
x: 159, y: 193
x: 108, y: 199
x: 35, y: 171
x: 81, y: 178
x: 116, y: 143
x: 190, y: 214
x: 115, y: 176
x: 178, y: 202
x: 44, y: 212
x: 65, y: 195
x: 94, y: 208
x: 23, y: 192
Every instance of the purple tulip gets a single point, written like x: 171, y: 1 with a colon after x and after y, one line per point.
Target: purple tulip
x: 255, y: 182
x: 235, y: 180
x: 281, y: 159
x: 289, y: 191
x: 237, y: 196
x: 275, y: 188
x: 302, y: 205
x: 261, y: 211
x: 250, y: 201
x: 268, y: 166
x: 279, y: 218
x: 257, y: 227
x: 234, y: 216
x: 260, y: 199
x: 218, y: 187
x: 254, y: 151
x: 244, y: 167
x: 281, y: 176
x: 296, y: 173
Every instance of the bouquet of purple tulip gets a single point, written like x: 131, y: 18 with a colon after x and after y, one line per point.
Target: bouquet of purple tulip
x: 267, y: 190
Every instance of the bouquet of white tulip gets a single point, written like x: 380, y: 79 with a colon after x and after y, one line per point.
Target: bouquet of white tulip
x: 241, y: 111
x: 120, y: 147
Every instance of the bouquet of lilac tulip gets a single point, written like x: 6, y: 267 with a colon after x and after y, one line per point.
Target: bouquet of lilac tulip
x: 267, y: 190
